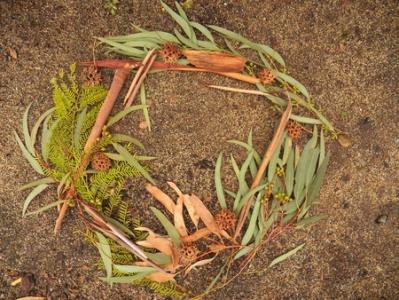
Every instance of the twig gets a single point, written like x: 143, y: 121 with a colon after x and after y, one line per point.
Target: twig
x: 147, y: 67
x: 262, y: 168
x: 161, y: 66
x: 138, y: 75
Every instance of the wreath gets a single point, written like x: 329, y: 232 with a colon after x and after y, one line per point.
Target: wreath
x: 89, y: 162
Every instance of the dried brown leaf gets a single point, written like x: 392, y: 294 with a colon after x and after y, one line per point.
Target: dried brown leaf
x: 199, y: 264
x: 191, y: 210
x: 13, y: 53
x: 161, y: 277
x: 164, y: 199
x: 204, y: 214
x: 178, y: 217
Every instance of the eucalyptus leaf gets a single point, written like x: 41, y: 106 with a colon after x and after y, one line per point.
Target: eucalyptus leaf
x: 314, y: 189
x: 295, y: 83
x: 189, y: 43
x: 285, y: 256
x: 179, y: 20
x: 322, y: 148
x: 311, y: 220
x: 34, y: 183
x: 159, y: 258
x: 33, y: 162
x: 218, y: 182
x: 169, y: 227
x: 230, y: 47
x: 36, y: 191
x: 46, y: 137
x: 252, y: 223
x: 126, y: 138
x: 243, y: 251
x: 243, y: 186
x: 45, y: 208
x: 105, y: 251
x: 289, y: 174
x: 35, y: 127
x: 145, y: 109
x: 133, y: 162
x: 312, y: 165
x: 120, y: 115
x: 133, y: 269
x: 305, y: 120
x: 25, y: 127
x: 201, y: 28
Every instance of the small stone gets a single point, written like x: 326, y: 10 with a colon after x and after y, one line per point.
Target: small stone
x: 382, y: 219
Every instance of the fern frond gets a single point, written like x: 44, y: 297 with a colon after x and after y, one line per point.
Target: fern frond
x: 91, y: 95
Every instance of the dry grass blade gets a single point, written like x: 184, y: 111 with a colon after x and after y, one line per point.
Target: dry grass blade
x: 164, y: 199
x: 262, y: 168
x: 205, y: 215
x: 215, y: 60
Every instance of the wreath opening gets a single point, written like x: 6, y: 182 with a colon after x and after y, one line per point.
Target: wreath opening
x: 89, y: 161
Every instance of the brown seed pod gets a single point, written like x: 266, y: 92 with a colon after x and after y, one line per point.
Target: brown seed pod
x: 100, y: 162
x: 294, y: 130
x: 226, y: 219
x: 170, y: 53
x: 90, y: 76
x: 188, y: 254
x: 266, y: 77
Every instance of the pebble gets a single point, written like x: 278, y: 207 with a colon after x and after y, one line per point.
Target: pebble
x: 382, y: 219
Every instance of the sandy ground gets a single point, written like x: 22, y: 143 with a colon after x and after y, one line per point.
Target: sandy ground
x: 345, y: 52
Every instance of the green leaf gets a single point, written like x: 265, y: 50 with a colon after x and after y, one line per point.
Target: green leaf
x: 283, y: 257
x: 126, y: 138
x: 154, y: 36
x: 252, y: 223
x: 145, y: 109
x: 25, y: 127
x: 33, y: 162
x: 169, y: 227
x: 312, y: 164
x: 243, y: 251
x: 289, y: 173
x: 218, y: 182
x: 105, y: 251
x: 47, y: 134
x: 159, y: 258
x: 314, y: 189
x: 120, y: 115
x: 322, y: 148
x: 133, y: 162
x: 189, y: 43
x: 134, y: 269
x: 243, y: 186
x: 78, y: 128
x: 272, y: 53
x: 251, y: 193
x: 230, y: 193
x: 36, y: 183
x: 128, y: 50
x: 125, y: 279
x: 203, y: 30
x: 179, y: 20
x: 36, y: 191
x: 45, y: 208
x: 287, y: 149
x: 309, y: 221
x: 301, y: 170
x: 231, y: 48
x: 293, y: 82
x: 264, y: 60
x: 39, y: 121
x: 305, y: 120
x: 271, y: 170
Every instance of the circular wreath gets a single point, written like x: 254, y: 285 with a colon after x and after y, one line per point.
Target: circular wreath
x: 90, y: 163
